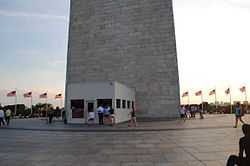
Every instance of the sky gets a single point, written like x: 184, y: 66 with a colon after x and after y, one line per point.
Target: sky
x: 212, y: 38
x: 33, y: 47
x: 213, y: 46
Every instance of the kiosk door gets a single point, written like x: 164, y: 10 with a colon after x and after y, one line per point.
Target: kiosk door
x: 91, y: 112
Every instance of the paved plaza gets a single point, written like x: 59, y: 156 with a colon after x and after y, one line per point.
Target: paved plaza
x: 197, y: 142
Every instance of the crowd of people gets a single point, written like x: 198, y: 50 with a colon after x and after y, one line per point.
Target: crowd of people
x: 189, y: 112
x: 106, y: 115
x: 5, y: 116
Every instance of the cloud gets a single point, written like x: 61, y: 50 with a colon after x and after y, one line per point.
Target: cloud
x: 33, y: 15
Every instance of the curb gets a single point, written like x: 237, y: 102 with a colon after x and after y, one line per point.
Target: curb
x: 116, y: 130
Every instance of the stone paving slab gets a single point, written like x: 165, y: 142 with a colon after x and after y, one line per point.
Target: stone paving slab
x: 189, y: 147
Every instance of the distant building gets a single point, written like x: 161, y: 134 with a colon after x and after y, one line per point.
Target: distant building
x: 245, y: 102
x: 235, y: 102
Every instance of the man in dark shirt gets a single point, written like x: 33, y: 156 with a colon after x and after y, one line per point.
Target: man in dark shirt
x: 244, y: 147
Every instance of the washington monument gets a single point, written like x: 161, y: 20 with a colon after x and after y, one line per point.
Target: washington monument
x: 128, y: 41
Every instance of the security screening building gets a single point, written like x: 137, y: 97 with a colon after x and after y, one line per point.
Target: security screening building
x: 128, y: 41
x: 86, y: 97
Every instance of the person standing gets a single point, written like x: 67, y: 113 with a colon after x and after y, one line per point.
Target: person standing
x: 106, y: 115
x: 100, y: 111
x: 201, y: 113
x: 1, y: 117
x: 112, y: 113
x: 238, y: 115
x: 51, y: 114
x: 133, y: 122
x: 182, y: 113
x: 7, y: 116
x: 187, y: 110
x: 64, y: 117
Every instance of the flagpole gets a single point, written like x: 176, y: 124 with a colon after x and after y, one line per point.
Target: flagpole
x: 1, y: 99
x: 61, y: 102
x: 46, y: 106
x: 231, y: 107
x: 201, y: 101
x: 216, y: 106
x: 31, y: 111
x: 215, y: 99
x: 246, y: 99
x: 61, y: 107
x: 16, y: 103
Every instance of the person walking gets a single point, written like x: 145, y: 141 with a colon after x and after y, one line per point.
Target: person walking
x: 7, y: 116
x: 100, y: 111
x: 238, y: 115
x: 1, y: 117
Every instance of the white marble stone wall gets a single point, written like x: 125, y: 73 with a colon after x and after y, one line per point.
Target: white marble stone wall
x: 129, y: 41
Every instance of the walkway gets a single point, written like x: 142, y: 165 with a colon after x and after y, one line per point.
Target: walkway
x: 206, y: 142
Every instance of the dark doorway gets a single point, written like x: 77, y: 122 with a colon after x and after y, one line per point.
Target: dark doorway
x: 77, y: 107
x: 90, y: 107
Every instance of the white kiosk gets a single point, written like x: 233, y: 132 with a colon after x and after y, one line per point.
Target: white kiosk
x: 82, y: 100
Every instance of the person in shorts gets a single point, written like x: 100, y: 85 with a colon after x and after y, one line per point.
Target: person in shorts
x: 112, y: 115
x: 133, y: 122
x: 238, y: 115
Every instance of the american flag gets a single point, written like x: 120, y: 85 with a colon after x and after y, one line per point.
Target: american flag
x: 227, y: 91
x: 43, y: 96
x: 199, y: 93
x: 29, y: 94
x: 58, y: 96
x: 243, y: 89
x: 11, y: 94
x: 185, y: 94
x: 212, y: 92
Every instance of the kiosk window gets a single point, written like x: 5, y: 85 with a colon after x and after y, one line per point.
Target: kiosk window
x: 77, y: 107
x: 118, y: 103
x: 123, y: 103
x: 104, y: 102
x: 128, y: 104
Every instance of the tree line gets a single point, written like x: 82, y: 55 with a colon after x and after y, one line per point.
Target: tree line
x: 38, y: 110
